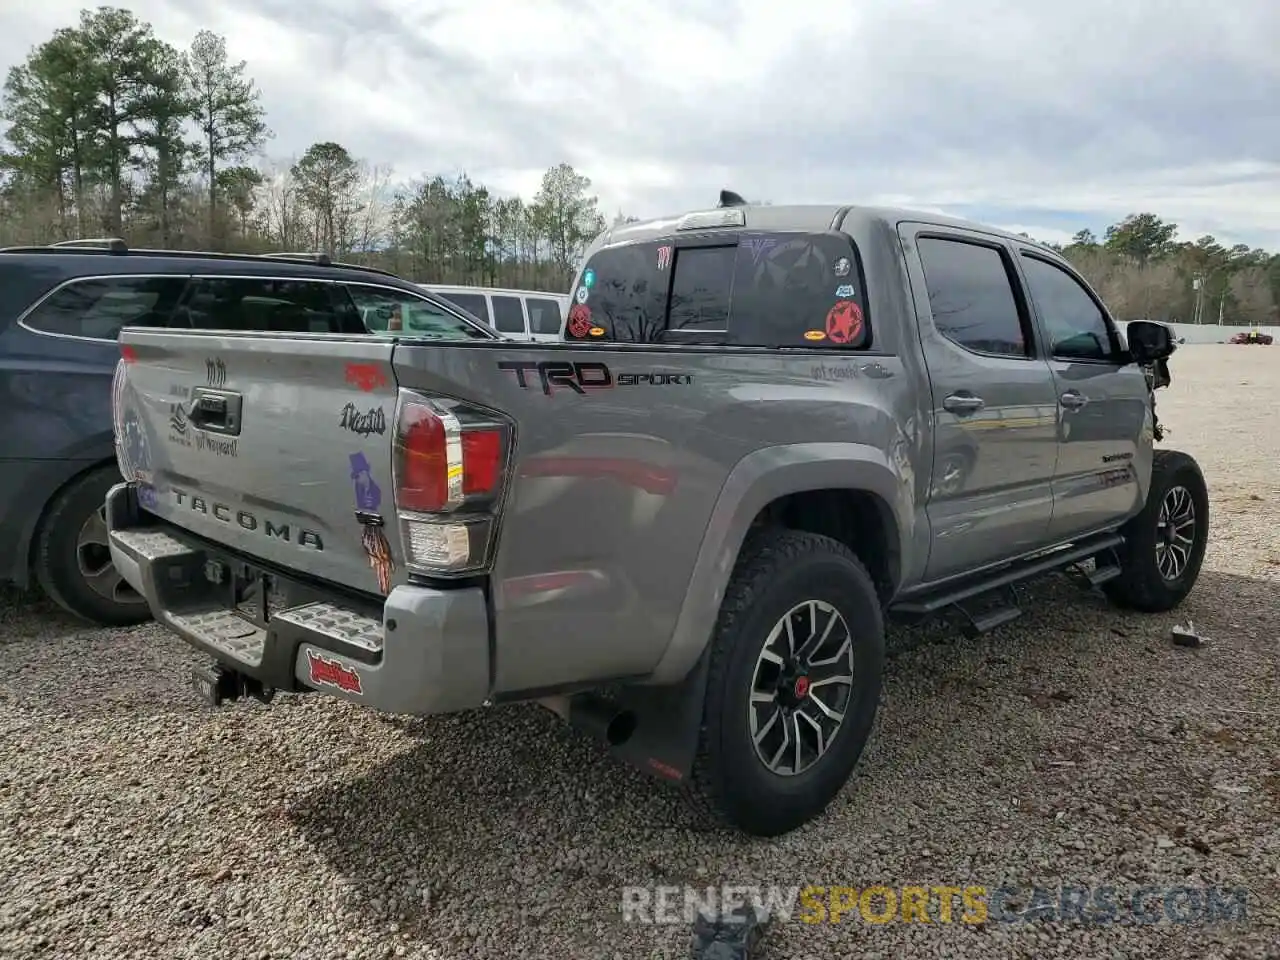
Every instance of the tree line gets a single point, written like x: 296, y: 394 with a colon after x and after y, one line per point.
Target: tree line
x: 112, y: 131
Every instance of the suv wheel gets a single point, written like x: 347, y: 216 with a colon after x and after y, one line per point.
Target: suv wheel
x: 793, y: 685
x: 1165, y: 543
x: 72, y: 560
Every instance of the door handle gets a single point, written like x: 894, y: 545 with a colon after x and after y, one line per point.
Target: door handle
x: 1072, y: 400
x: 963, y: 404
x: 216, y: 411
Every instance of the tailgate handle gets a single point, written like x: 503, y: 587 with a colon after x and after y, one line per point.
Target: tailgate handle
x: 216, y: 411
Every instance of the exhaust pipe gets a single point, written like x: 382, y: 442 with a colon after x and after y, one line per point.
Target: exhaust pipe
x: 594, y: 716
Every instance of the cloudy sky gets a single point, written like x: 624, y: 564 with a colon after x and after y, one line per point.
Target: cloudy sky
x: 1040, y: 115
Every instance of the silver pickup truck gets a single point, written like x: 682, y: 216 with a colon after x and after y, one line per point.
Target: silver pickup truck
x: 768, y: 428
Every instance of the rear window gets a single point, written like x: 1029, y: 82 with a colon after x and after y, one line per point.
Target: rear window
x: 275, y: 305
x: 755, y: 289
x: 474, y: 303
x: 98, y: 308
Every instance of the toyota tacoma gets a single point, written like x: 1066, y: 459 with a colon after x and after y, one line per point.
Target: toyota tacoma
x: 682, y: 528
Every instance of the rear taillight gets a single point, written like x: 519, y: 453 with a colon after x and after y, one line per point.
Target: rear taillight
x: 450, y: 461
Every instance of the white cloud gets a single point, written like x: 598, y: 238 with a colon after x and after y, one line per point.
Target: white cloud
x: 1017, y: 112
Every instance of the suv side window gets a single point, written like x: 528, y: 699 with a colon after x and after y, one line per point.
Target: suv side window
x: 1076, y: 327
x: 99, y: 307
x: 474, y: 303
x: 391, y: 311
x: 544, y: 315
x: 508, y: 315
x: 971, y: 297
x: 271, y: 304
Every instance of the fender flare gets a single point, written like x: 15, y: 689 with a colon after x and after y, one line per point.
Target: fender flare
x: 756, y: 481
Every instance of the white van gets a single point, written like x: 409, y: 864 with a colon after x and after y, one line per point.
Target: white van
x: 521, y: 314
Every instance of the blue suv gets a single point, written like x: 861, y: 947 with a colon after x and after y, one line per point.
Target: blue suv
x: 61, y: 310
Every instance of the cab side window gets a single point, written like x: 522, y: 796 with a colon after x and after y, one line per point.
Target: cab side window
x: 1076, y: 327
x: 971, y: 297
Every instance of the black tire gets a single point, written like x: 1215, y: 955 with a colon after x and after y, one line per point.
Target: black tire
x: 777, y: 571
x: 64, y: 566
x: 1141, y: 584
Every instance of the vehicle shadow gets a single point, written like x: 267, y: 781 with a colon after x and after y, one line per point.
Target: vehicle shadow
x: 18, y: 606
x: 446, y: 839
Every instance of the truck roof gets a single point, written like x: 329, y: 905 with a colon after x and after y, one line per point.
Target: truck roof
x: 813, y: 217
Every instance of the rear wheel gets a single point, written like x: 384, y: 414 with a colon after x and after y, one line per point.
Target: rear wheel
x: 793, y: 685
x: 1165, y: 543
x: 72, y: 558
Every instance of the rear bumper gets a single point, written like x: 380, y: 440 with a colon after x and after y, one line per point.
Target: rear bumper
x: 422, y: 651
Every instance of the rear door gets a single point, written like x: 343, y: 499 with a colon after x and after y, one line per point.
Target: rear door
x: 1103, y: 402
x: 993, y: 401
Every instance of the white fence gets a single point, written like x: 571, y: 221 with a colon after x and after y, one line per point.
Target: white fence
x: 1212, y: 333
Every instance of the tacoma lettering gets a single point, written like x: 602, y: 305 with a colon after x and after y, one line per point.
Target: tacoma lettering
x: 248, y: 521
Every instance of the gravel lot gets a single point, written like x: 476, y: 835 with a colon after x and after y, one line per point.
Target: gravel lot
x: 1076, y: 746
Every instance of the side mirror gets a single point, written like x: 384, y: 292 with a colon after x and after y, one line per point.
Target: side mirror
x: 1149, y: 341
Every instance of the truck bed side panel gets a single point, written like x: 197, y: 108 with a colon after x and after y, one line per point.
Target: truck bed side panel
x: 622, y: 453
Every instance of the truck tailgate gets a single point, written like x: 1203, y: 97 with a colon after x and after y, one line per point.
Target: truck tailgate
x: 278, y: 447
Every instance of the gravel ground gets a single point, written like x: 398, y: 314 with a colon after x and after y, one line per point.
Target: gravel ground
x: 1075, y: 746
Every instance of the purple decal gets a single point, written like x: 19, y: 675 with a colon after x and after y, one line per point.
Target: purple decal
x: 368, y: 494
x: 147, y: 496
x: 759, y: 247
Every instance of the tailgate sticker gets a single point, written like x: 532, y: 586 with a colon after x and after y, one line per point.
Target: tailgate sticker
x: 215, y: 372
x: 137, y: 447
x: 366, y: 376
x: 368, y: 499
x: 324, y: 672
x: 363, y: 422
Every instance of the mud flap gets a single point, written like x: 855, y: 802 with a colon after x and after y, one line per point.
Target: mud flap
x: 668, y: 724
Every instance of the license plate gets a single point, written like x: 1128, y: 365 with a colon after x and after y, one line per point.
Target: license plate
x: 205, y: 684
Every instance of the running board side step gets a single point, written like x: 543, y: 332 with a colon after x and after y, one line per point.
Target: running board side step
x: 921, y: 605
